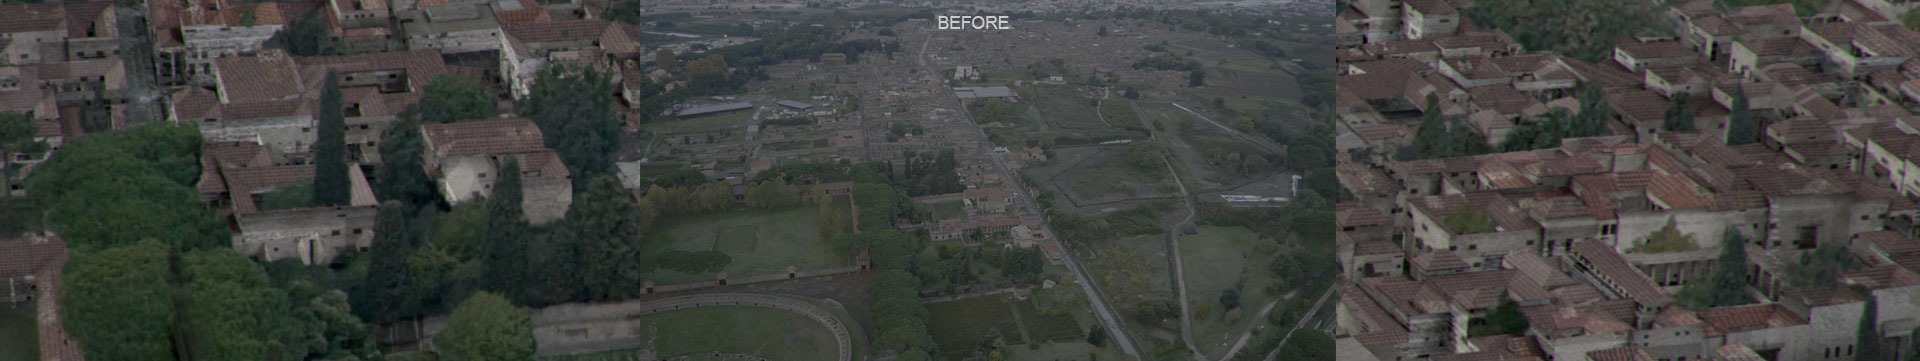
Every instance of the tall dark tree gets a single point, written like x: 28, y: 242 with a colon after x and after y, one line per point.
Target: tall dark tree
x: 1196, y: 78
x: 330, y: 185
x: 1726, y: 285
x: 1595, y: 112
x: 307, y: 36
x: 574, y: 108
x: 385, y: 294
x: 1740, y: 125
x: 609, y: 228
x: 1679, y: 115
x: 401, y: 176
x: 507, y: 248
x: 1867, y: 340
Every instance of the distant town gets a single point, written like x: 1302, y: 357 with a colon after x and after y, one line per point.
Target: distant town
x: 577, y: 180
x: 1659, y: 180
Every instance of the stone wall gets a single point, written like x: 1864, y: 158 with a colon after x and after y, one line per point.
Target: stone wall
x: 313, y: 235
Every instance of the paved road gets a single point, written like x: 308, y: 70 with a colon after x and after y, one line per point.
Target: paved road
x: 1100, y: 307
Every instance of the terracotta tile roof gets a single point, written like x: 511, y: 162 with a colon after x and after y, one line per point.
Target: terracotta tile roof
x: 1397, y: 65
x: 1644, y: 50
x: 1790, y: 74
x: 1372, y: 248
x: 1362, y: 179
x: 544, y: 163
x: 561, y: 30
x: 523, y: 16
x: 1356, y: 214
x: 1607, y: 74
x: 28, y: 255
x: 1736, y: 351
x: 1439, y: 260
x: 1737, y: 319
x: 1593, y: 318
x: 1881, y: 277
x: 270, y: 76
x: 1540, y: 269
x: 1501, y: 98
x: 1891, y: 242
x: 1714, y: 25
x: 1675, y: 316
x: 1397, y: 47
x: 1638, y: 105
x: 20, y: 18
x: 484, y: 137
x: 1608, y: 264
x: 1622, y: 353
x: 55, y: 344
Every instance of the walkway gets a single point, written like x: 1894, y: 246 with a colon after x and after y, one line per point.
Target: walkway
x: 584, y: 328
x: 566, y: 329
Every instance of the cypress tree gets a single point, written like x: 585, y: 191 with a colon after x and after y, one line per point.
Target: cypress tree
x: 330, y: 187
x: 1679, y: 115
x: 1730, y: 273
x: 1740, y: 127
x: 1867, y: 347
x: 507, y: 247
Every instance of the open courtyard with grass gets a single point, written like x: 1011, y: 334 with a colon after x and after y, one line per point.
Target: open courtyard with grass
x: 765, y: 332
x: 760, y: 242
x: 1218, y: 259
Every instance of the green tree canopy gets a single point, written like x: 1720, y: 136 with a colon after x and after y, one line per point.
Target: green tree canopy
x: 117, y: 188
x: 455, y: 98
x: 235, y: 314
x: 574, y: 109
x: 118, y: 304
x: 486, y: 327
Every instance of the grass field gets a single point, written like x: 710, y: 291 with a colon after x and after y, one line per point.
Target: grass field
x: 1064, y: 106
x: 947, y: 210
x: 962, y: 327
x: 1132, y: 269
x: 1119, y: 113
x: 1217, y: 259
x: 19, y: 335
x: 760, y: 242
x: 764, y: 332
x: 1109, y: 174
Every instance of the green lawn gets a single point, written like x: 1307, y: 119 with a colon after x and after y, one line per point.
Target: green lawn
x: 961, y: 327
x: 765, y: 332
x: 19, y: 335
x: 1217, y: 259
x: 948, y: 210
x: 1065, y: 106
x: 1112, y: 174
x: 1119, y: 113
x: 760, y: 242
